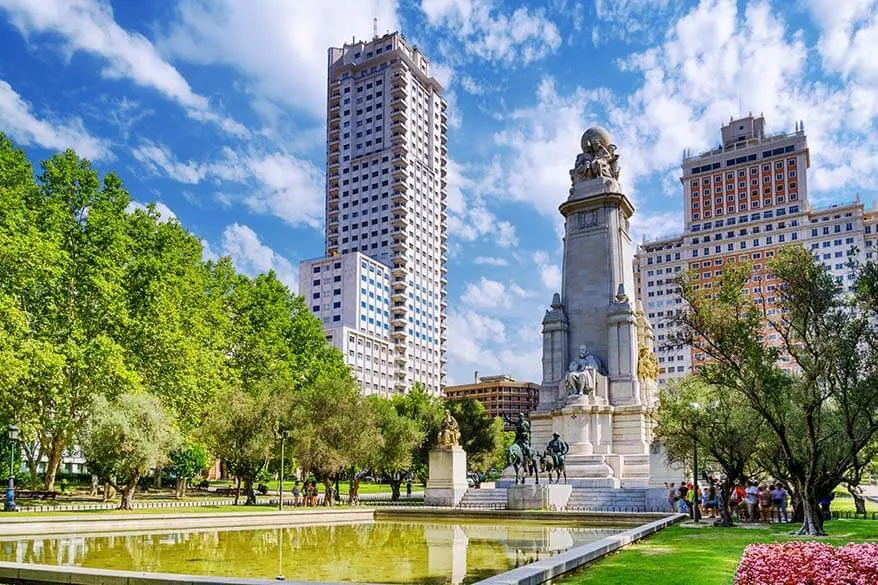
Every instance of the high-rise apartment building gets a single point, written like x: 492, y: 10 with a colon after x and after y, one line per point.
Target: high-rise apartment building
x: 386, y: 216
x: 742, y: 201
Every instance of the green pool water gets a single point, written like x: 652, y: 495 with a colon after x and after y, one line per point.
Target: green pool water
x: 434, y: 552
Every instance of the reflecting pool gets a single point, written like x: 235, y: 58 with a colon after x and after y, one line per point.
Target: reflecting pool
x: 431, y: 552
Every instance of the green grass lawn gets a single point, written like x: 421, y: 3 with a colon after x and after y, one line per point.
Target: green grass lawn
x: 365, y: 488
x: 706, y: 556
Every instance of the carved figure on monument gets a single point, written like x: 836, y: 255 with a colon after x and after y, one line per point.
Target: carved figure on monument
x: 520, y: 454
x: 449, y: 432
x: 647, y: 365
x: 553, y: 459
x: 581, y: 377
x: 598, y: 159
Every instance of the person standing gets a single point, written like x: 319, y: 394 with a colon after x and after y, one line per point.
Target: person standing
x: 752, y: 500
x: 672, y: 496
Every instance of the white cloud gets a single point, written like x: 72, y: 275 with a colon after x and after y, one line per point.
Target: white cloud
x: 280, y: 47
x: 277, y: 183
x: 251, y: 256
x: 89, y: 26
x: 17, y: 120
x: 484, y: 32
x: 656, y: 226
x: 159, y: 160
x: 490, y: 261
x: 291, y: 189
x: 550, y: 273
x: 165, y: 212
x: 629, y: 20
x: 468, y: 217
x: 487, y: 294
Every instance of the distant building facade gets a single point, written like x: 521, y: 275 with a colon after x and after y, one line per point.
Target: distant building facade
x: 501, y: 395
x: 742, y: 202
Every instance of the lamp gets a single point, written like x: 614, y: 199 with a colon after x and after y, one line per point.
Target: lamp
x: 12, y: 437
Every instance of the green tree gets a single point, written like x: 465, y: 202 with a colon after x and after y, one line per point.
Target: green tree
x: 187, y: 462
x: 393, y: 454
x: 332, y: 428
x: 822, y: 410
x: 427, y: 411
x: 76, y: 309
x: 481, y: 434
x: 725, y: 429
x: 176, y: 331
x: 239, y: 429
x: 125, y: 438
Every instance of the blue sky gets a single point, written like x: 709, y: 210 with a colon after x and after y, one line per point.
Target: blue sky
x: 215, y: 109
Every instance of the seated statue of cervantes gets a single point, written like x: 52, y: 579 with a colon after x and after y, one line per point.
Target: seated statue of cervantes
x: 581, y: 377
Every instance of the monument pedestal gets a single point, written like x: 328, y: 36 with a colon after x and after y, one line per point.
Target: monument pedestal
x: 538, y: 496
x: 446, y: 484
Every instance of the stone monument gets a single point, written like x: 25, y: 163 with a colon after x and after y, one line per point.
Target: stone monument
x: 598, y: 364
x: 446, y: 483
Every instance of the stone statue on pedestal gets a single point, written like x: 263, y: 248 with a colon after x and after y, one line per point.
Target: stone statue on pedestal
x: 581, y: 377
x: 598, y: 159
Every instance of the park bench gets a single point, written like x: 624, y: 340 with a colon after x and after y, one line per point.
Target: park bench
x: 35, y: 495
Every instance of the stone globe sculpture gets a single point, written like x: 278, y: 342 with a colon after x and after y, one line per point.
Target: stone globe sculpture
x: 595, y: 135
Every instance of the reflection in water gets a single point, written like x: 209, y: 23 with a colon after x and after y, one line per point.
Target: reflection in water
x: 432, y: 552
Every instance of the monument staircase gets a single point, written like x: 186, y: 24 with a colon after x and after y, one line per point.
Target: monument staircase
x: 617, y: 500
x: 485, y: 499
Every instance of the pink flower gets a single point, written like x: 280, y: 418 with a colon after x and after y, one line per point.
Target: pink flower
x: 808, y: 563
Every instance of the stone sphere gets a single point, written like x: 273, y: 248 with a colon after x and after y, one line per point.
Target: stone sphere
x: 595, y: 134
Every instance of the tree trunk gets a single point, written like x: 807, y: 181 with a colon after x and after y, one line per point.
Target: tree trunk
x: 327, y: 492
x: 128, y: 490
x: 109, y: 490
x: 354, y: 490
x: 812, y: 518
x: 55, y: 453
x: 33, y: 454
x: 725, y: 510
x: 237, y: 489
x: 95, y: 481
x: 157, y: 479
x: 248, y: 490
x: 394, y: 489
x: 183, y: 487
x: 859, y: 500
x: 178, y: 489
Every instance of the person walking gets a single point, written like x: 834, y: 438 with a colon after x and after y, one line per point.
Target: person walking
x: 779, y: 498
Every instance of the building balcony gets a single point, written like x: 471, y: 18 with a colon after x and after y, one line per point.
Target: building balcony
x: 334, y: 111
x: 332, y: 216
x: 399, y: 88
x: 334, y: 123
x: 334, y: 135
x: 399, y: 271
x: 397, y: 102
x: 332, y: 181
x: 400, y: 360
x: 443, y: 327
x: 332, y: 158
x: 397, y: 321
x: 399, y: 286
x: 443, y: 270
x: 442, y: 280
x: 400, y: 173
x: 398, y: 333
x: 399, y: 198
x: 398, y: 296
x: 399, y: 115
x: 335, y: 98
x: 399, y: 146
x: 398, y: 127
x: 400, y: 210
x: 399, y: 246
x: 400, y: 160
x: 399, y: 222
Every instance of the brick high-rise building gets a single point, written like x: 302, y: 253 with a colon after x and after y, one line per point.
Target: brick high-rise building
x: 743, y: 201
x: 386, y: 216
x: 501, y: 395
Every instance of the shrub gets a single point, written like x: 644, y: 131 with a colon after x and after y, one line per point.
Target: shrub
x: 808, y: 563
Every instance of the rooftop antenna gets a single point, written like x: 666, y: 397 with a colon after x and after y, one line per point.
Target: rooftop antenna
x: 740, y: 106
x: 375, y: 28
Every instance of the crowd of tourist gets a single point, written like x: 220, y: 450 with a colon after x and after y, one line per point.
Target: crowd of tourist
x: 307, y: 495
x: 753, y: 502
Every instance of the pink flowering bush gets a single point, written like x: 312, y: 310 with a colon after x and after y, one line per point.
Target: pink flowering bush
x: 808, y: 563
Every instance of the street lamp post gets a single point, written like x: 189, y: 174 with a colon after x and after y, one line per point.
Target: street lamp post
x: 12, y: 436
x: 696, y: 515
x: 280, y: 499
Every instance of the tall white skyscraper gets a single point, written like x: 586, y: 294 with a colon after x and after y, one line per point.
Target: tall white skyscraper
x: 380, y: 289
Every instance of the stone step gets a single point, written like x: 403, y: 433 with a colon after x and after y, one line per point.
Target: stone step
x: 488, y: 498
